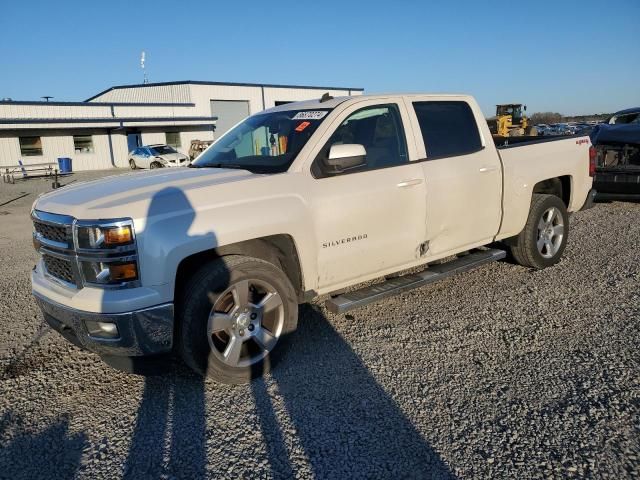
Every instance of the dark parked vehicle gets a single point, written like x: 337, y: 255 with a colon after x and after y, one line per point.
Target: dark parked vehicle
x: 617, y: 146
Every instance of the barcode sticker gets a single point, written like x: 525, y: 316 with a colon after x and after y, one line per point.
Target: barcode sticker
x: 310, y: 115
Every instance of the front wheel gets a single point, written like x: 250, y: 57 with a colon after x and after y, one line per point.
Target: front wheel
x: 544, y: 237
x: 234, y: 315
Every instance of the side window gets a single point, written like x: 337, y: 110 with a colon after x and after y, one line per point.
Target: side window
x: 448, y: 128
x: 378, y: 129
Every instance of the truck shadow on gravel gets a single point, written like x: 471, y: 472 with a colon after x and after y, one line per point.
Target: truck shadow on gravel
x: 50, y: 453
x: 345, y: 422
x: 347, y: 425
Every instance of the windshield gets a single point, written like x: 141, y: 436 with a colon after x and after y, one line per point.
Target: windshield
x: 162, y: 150
x: 266, y: 143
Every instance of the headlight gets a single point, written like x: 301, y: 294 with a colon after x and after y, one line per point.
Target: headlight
x: 104, y: 237
x: 107, y: 253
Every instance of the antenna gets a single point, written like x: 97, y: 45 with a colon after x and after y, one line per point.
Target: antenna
x: 47, y: 97
x: 144, y: 72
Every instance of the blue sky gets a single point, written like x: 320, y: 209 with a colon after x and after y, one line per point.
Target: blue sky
x: 574, y: 57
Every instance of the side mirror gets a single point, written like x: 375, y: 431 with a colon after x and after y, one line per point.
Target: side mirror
x: 345, y: 157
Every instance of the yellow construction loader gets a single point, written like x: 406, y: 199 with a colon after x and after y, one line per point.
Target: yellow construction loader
x: 511, y: 121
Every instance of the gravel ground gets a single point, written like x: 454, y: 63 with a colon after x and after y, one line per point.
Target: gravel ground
x: 499, y: 373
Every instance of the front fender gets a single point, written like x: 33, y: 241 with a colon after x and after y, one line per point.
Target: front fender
x: 176, y: 229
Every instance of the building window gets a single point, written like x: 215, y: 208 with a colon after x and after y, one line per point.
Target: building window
x: 30, y: 146
x: 173, y: 139
x: 83, y: 143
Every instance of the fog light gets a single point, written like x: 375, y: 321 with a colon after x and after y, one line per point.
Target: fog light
x: 102, y: 329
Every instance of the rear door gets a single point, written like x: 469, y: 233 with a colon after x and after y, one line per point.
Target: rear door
x: 370, y: 219
x: 462, y: 173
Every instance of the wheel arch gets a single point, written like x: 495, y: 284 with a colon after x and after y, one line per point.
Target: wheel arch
x: 558, y: 186
x: 279, y: 250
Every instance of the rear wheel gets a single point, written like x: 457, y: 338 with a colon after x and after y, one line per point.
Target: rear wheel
x: 544, y: 237
x: 233, y: 318
x: 132, y: 164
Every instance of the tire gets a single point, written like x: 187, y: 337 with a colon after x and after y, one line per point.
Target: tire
x: 229, y: 340
x: 154, y: 165
x: 132, y: 164
x: 544, y: 237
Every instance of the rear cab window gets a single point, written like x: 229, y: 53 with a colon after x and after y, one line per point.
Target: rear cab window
x: 448, y: 128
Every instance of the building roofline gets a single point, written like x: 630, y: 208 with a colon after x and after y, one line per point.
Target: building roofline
x: 86, y: 103
x: 229, y: 84
x: 21, y: 121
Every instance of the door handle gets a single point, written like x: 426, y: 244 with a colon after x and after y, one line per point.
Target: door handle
x: 488, y: 169
x: 410, y: 183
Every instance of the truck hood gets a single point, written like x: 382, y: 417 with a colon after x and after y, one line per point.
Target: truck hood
x: 130, y: 195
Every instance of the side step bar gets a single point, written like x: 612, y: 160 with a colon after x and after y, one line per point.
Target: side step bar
x: 350, y: 300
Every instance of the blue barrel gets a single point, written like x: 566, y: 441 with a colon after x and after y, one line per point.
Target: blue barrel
x: 64, y: 165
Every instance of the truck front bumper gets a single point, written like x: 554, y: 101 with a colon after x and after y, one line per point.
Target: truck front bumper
x: 141, y: 332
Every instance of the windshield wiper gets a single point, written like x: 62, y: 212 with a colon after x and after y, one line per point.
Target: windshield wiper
x: 220, y: 165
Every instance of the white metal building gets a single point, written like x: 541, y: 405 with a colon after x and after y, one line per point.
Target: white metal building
x: 99, y: 132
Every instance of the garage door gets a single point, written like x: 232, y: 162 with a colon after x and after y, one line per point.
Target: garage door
x: 229, y: 112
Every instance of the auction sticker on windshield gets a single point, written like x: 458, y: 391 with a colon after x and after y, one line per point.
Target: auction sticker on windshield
x: 310, y: 115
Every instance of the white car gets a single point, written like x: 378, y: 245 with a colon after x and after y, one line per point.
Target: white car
x: 157, y: 156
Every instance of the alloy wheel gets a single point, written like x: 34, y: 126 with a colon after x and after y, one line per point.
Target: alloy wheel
x: 245, y: 322
x: 550, y: 232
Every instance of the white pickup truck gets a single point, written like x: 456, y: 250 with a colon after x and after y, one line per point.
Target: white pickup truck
x: 302, y: 200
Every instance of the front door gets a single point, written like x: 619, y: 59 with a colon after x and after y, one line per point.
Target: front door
x: 370, y: 219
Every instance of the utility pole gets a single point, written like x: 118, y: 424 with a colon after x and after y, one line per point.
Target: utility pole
x: 144, y: 71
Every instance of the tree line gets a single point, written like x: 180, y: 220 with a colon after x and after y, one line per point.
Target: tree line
x: 555, y: 117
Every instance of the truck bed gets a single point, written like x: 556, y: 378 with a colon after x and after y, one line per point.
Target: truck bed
x: 529, y: 160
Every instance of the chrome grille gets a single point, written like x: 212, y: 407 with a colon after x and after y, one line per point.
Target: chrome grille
x: 59, y: 268
x: 57, y: 233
